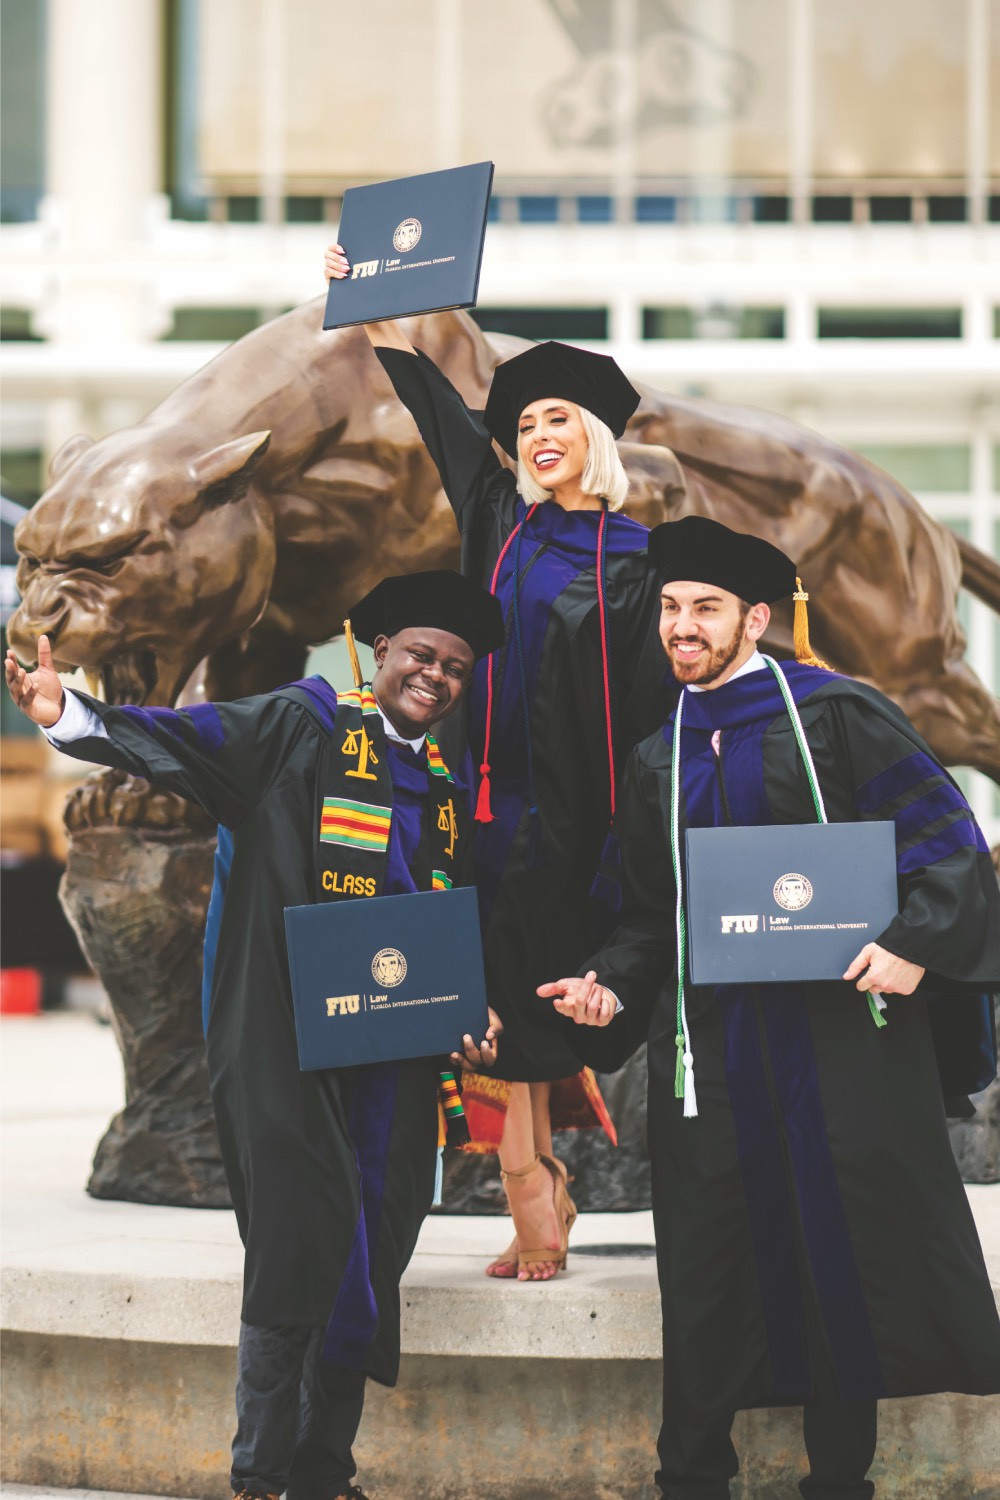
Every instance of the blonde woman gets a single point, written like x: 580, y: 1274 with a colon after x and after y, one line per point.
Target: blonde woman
x: 552, y: 715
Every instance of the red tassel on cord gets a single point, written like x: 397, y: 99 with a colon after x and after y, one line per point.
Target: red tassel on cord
x: 484, y: 813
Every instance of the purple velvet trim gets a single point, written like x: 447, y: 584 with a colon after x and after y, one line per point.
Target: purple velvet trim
x: 321, y: 695
x: 925, y: 810
x: 354, y: 1321
x: 742, y: 762
x: 409, y: 795
x: 824, y: 1222
x: 769, y: 1207
x: 152, y: 719
x: 756, y: 696
x: 957, y: 836
x: 207, y: 725
x: 900, y: 777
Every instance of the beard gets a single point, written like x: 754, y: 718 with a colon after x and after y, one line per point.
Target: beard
x: 710, y: 668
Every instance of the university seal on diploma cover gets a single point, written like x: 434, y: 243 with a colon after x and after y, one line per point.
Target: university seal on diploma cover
x: 415, y: 245
x: 386, y: 978
x: 791, y: 901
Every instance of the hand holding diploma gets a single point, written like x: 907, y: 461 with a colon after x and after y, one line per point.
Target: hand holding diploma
x: 485, y: 1055
x: 384, y: 335
x: 883, y: 972
x: 583, y: 1000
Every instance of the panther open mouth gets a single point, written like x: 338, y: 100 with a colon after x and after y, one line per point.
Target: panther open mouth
x: 131, y: 678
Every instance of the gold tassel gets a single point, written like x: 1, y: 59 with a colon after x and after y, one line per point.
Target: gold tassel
x: 352, y: 652
x: 800, y: 630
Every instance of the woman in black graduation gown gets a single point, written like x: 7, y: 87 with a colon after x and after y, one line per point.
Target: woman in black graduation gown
x: 551, y: 716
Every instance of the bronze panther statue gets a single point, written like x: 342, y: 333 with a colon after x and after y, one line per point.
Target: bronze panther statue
x: 202, y: 551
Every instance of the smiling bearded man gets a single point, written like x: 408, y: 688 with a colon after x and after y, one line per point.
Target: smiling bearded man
x: 322, y: 795
x: 814, y: 1242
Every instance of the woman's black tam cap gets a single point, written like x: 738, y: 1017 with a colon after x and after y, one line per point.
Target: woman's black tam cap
x: 439, y: 600
x: 593, y: 381
x: 699, y: 550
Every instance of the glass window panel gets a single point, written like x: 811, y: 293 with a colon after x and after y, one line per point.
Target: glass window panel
x: 947, y: 209
x: 890, y: 88
x: 16, y: 326
x: 929, y: 468
x: 713, y: 322
x: 22, y: 474
x: 890, y: 323
x: 884, y: 208
x: 212, y: 324
x: 22, y: 109
x: 833, y: 208
x: 586, y: 323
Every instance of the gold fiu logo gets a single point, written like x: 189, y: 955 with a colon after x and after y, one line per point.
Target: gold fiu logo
x: 357, y: 743
x: 407, y: 234
x: 343, y: 1005
x: 388, y: 968
x: 447, y: 824
x: 363, y: 268
x: 739, y: 924
x: 793, y: 891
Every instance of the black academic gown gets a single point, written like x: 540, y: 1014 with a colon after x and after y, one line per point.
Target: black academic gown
x: 811, y: 1217
x: 541, y: 919
x: 331, y: 1173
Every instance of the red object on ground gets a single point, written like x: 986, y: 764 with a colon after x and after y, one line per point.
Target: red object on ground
x: 20, y: 992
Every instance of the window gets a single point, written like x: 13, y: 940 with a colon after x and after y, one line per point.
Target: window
x: 15, y: 326
x: 214, y: 324
x: 22, y: 110
x: 586, y: 323
x: 890, y: 323
x: 714, y: 322
x: 930, y: 468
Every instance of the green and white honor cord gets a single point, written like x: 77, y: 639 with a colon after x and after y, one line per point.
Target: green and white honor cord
x: 684, y: 1072
x: 876, y: 1003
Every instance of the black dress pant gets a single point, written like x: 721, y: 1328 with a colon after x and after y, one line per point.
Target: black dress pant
x: 297, y: 1416
x: 697, y: 1463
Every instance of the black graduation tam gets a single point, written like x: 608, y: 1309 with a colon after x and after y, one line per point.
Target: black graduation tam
x: 593, y: 381
x: 439, y: 600
x: 699, y: 550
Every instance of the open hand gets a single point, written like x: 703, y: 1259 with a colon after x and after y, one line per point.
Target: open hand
x: 38, y: 694
x: 883, y: 972
x: 485, y: 1055
x: 583, y: 1000
x: 335, y: 263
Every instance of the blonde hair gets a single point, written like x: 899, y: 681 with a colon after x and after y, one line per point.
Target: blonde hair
x: 603, y: 471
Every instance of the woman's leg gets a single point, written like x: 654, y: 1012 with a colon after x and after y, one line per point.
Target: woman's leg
x: 541, y: 1116
x: 532, y: 1195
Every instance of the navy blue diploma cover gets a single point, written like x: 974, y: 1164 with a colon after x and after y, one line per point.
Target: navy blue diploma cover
x: 415, y: 245
x: 386, y: 978
x: 792, y: 901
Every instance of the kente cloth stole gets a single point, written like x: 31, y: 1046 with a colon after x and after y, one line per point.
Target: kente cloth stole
x: 355, y: 826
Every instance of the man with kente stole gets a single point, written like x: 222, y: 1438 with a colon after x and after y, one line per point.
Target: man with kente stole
x: 328, y: 797
x: 814, y: 1241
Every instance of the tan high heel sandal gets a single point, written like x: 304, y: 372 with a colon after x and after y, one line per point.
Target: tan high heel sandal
x: 559, y: 1168
x: 565, y: 1215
